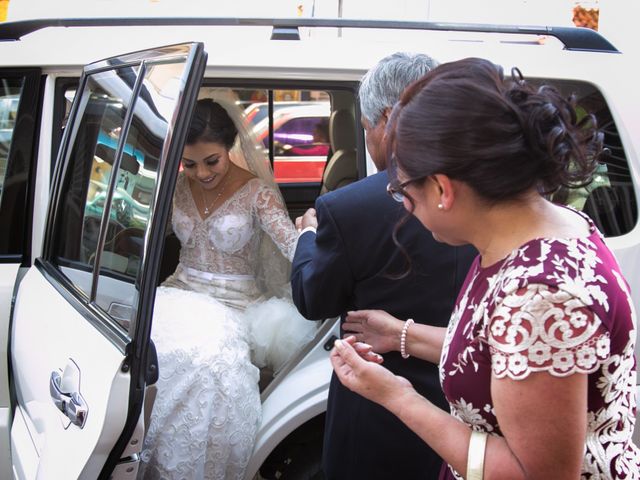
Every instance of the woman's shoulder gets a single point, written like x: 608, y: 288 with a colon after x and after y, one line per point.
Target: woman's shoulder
x: 582, y: 267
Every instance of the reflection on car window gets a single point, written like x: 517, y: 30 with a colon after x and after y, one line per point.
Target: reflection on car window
x: 88, y: 175
x: 135, y: 183
x: 300, y: 133
x: 9, y: 98
x: 110, y: 183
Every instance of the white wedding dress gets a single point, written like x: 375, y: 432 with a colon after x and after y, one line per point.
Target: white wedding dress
x: 211, y: 319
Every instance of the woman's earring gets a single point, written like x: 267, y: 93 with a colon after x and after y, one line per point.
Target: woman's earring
x: 440, y: 206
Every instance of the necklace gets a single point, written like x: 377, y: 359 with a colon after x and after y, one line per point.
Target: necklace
x: 207, y: 209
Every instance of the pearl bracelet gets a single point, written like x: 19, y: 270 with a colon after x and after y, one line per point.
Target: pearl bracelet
x: 403, y: 338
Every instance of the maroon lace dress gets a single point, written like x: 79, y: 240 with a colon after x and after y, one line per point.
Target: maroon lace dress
x: 559, y: 306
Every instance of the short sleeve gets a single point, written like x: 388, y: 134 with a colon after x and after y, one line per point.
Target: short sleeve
x: 542, y: 328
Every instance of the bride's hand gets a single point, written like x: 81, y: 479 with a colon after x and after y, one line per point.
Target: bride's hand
x: 376, y: 328
x: 368, y: 379
x: 307, y: 220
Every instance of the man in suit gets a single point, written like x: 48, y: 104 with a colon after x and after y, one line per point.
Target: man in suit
x: 350, y: 263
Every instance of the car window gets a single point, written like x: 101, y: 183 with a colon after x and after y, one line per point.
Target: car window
x: 105, y: 202
x: 88, y: 173
x: 9, y: 98
x: 610, y: 199
x: 135, y: 183
x: 299, y: 146
x: 19, y: 122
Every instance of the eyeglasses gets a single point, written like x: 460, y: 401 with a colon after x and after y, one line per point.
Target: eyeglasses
x: 398, y: 193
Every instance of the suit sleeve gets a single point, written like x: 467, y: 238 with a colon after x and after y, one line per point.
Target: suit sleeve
x: 321, y: 279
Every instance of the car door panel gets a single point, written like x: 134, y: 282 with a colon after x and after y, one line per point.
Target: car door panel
x: 81, y: 323
x: 19, y: 103
x: 8, y: 274
x: 102, y: 383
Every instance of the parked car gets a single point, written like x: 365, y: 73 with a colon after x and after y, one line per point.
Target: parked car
x: 300, y: 141
x: 258, y: 111
x: 77, y: 295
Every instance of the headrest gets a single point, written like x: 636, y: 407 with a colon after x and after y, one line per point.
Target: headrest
x: 342, y: 130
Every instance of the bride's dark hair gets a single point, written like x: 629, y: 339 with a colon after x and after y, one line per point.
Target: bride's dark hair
x: 211, y: 123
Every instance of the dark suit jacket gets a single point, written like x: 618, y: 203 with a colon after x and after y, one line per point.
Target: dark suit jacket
x: 345, y: 266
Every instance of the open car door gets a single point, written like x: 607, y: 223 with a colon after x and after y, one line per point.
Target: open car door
x: 80, y: 351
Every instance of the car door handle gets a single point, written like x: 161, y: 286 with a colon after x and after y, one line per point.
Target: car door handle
x: 70, y: 403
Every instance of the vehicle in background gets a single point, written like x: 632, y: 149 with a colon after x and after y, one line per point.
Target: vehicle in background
x: 301, y: 141
x: 258, y: 111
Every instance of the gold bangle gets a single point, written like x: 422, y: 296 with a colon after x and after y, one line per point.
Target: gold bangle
x: 475, y: 456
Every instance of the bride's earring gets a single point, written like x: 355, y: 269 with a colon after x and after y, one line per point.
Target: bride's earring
x: 440, y: 206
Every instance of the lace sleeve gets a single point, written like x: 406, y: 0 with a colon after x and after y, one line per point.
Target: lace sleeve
x: 541, y: 328
x: 275, y: 221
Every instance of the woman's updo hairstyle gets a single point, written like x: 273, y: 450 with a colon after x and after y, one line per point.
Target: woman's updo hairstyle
x: 500, y: 137
x: 211, y: 123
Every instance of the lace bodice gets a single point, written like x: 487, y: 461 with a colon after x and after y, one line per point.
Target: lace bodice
x: 228, y: 240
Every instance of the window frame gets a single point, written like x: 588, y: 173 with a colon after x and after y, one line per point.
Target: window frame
x: 24, y: 145
x: 271, y: 85
x: 49, y: 265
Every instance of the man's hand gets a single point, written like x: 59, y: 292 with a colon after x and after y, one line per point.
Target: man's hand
x: 309, y: 219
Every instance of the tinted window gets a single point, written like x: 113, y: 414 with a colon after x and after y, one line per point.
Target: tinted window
x: 19, y: 121
x: 135, y: 183
x: 104, y: 104
x: 303, y: 131
x: 104, y: 211
x: 610, y: 199
x: 9, y: 98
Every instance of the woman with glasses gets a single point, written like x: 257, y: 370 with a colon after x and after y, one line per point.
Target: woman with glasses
x: 537, y: 362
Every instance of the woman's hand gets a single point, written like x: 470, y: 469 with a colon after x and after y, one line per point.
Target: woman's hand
x: 368, y: 379
x: 376, y: 328
x: 364, y: 350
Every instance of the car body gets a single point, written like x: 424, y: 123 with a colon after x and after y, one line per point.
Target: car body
x: 255, y: 112
x: 76, y: 302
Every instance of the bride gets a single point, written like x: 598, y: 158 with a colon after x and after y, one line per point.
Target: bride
x: 226, y: 308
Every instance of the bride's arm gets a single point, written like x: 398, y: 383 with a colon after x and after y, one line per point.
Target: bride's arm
x: 274, y: 220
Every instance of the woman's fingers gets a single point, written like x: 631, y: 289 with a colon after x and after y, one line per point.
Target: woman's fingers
x: 366, y: 351
x: 348, y: 354
x: 373, y: 357
x: 362, y: 347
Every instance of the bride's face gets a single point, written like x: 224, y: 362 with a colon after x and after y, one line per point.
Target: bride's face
x: 206, y: 163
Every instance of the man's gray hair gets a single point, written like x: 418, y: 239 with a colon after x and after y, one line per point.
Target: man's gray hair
x: 382, y: 85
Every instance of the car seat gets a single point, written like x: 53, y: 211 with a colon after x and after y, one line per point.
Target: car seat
x: 341, y: 168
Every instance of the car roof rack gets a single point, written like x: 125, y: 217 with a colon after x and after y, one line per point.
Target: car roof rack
x: 573, y: 38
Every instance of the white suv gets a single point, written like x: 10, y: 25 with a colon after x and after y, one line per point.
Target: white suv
x: 84, y: 216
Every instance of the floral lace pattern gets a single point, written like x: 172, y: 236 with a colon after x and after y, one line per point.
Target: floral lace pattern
x: 226, y: 241
x: 545, y: 329
x: 558, y: 306
x: 208, y: 410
